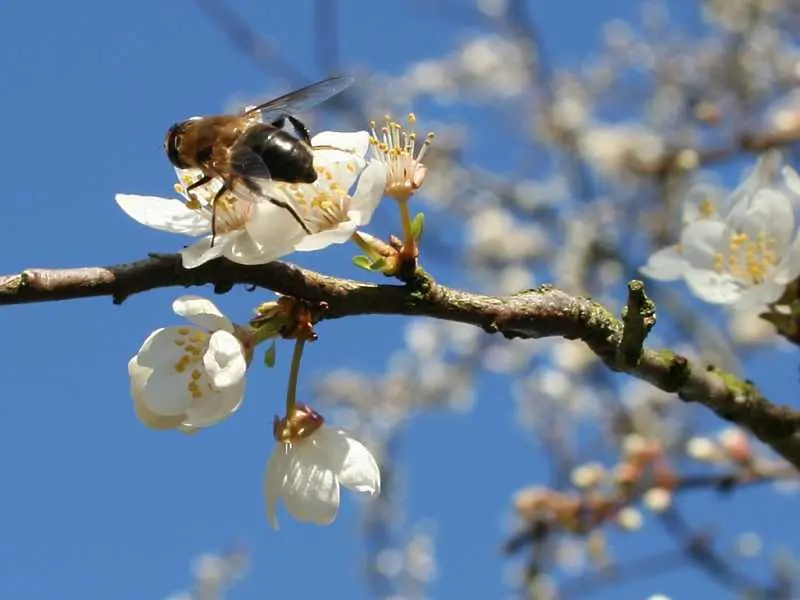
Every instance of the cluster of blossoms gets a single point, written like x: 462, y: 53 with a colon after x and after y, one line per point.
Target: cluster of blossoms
x: 744, y: 252
x: 192, y: 376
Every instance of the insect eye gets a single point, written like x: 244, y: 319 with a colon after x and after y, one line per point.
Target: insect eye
x: 172, y: 146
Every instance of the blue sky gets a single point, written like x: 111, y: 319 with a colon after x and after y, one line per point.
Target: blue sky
x: 94, y: 504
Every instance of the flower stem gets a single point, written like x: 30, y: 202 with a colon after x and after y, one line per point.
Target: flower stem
x: 405, y: 216
x: 409, y: 252
x: 291, y: 392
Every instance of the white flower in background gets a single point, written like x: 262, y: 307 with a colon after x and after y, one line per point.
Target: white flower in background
x: 747, y: 259
x: 703, y: 201
x: 246, y: 232
x: 327, y: 207
x: 190, y: 376
x: 740, y: 250
x: 309, y: 463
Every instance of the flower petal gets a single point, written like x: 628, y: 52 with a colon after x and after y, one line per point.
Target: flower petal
x: 713, y: 287
x: 317, y: 241
x: 702, y: 241
x: 214, y: 406
x: 274, y: 480
x: 202, y: 312
x: 224, y: 360
x: 336, y: 166
x: 165, y: 346
x: 202, y: 251
x: 356, y: 142
x: 756, y: 298
x: 164, y: 214
x: 769, y: 212
x: 666, y: 264
x: 368, y: 193
x: 358, y: 471
x: 310, y: 489
x: 153, y: 420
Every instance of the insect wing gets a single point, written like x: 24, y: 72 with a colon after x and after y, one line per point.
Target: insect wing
x: 302, y: 99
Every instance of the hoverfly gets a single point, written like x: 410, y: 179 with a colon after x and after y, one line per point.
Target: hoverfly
x: 243, y: 149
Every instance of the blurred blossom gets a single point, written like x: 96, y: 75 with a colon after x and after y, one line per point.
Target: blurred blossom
x: 422, y: 337
x: 532, y: 195
x: 493, y: 233
x: 514, y: 278
x: 571, y: 554
x: 749, y: 544
x: 657, y: 499
x: 572, y: 356
x: 495, y: 65
x: 783, y: 116
x: 492, y: 8
x: 509, y: 356
x: 611, y: 148
x: 749, y: 329
x: 630, y: 519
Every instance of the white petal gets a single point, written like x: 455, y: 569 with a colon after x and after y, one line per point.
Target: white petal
x: 338, y: 235
x: 139, y: 376
x: 166, y: 393
x: 356, y: 142
x: 164, y: 214
x: 310, y: 490
x: 273, y: 482
x: 214, y: 406
x: 701, y: 242
x: 368, y: 193
x: 789, y: 267
x: 756, y: 299
x: 336, y: 166
x: 165, y: 346
x: 271, y: 234
x: 713, y: 287
x: 202, y: 251
x: 203, y: 312
x: 791, y: 179
x: 357, y: 469
x: 224, y: 360
x: 768, y: 211
x: 666, y: 264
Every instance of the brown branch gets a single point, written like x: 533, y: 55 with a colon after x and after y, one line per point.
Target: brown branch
x: 537, y: 313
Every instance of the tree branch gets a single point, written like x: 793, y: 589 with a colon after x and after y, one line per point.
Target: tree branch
x: 537, y: 313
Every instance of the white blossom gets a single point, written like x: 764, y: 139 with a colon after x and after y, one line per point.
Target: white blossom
x: 743, y: 252
x: 259, y: 232
x: 326, y: 206
x: 307, y: 471
x: 190, y: 376
x: 246, y: 232
x: 668, y: 264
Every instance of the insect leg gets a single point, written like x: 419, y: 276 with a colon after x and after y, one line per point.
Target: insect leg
x: 293, y: 212
x: 217, y: 196
x: 202, y: 181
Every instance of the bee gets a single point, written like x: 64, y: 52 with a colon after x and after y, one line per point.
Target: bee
x: 246, y: 149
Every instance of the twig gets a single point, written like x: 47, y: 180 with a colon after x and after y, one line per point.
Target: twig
x: 537, y: 313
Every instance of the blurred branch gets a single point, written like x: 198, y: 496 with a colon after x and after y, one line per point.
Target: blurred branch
x: 241, y: 35
x: 537, y: 313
